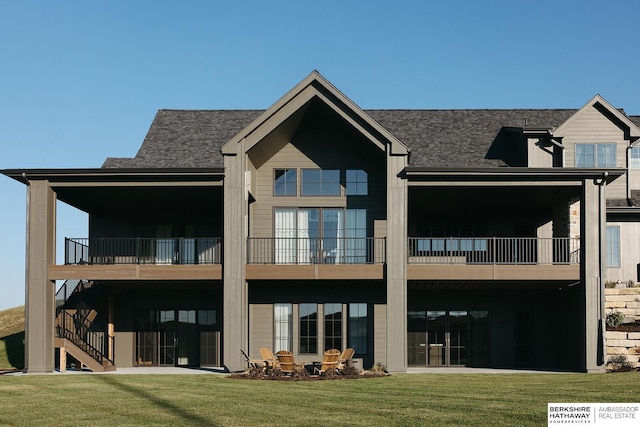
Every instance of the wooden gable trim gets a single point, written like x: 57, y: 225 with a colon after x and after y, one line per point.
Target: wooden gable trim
x: 314, y: 85
x: 634, y: 131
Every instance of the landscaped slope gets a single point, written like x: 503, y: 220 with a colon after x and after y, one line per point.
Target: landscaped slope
x: 12, y: 338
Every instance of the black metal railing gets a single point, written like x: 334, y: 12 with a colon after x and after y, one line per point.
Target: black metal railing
x: 301, y: 250
x: 85, y: 334
x: 494, y: 250
x: 182, y: 250
x: 68, y: 288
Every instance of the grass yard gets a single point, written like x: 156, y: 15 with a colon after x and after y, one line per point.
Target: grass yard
x: 12, y: 338
x: 214, y: 400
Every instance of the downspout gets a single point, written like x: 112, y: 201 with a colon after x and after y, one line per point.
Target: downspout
x: 629, y: 175
x: 601, y: 266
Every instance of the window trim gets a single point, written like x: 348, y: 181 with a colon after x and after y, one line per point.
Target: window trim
x: 303, y: 333
x: 635, y: 149
x: 595, y: 154
x: 277, y: 337
x: 613, y: 257
x: 340, y: 192
x: 295, y: 183
x: 356, y: 183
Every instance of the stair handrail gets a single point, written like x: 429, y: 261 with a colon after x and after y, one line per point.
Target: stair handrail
x: 89, y: 338
x: 68, y: 288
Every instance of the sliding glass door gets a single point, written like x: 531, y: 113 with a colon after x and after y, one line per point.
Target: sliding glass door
x: 178, y: 338
x: 320, y: 235
x: 438, y: 337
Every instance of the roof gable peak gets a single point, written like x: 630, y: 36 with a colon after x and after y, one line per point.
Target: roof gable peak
x: 312, y: 86
x: 613, y: 113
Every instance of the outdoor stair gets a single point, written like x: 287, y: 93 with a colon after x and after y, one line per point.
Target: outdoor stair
x: 76, y: 332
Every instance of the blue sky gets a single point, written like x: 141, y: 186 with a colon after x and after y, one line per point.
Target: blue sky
x: 81, y: 81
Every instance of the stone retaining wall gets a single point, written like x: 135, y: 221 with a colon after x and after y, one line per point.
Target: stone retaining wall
x: 627, y: 302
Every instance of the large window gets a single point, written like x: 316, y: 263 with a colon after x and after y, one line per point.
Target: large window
x: 285, y: 182
x: 613, y: 246
x: 595, y: 155
x: 308, y: 328
x: 320, y: 236
x: 332, y: 326
x: 634, y: 158
x: 356, y: 182
x: 357, y: 327
x: 320, y: 182
x: 282, y: 325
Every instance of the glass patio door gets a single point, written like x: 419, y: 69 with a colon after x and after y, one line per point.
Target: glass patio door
x: 437, y: 337
x: 170, y: 338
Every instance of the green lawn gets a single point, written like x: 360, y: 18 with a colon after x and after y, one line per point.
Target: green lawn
x: 12, y: 338
x: 402, y: 399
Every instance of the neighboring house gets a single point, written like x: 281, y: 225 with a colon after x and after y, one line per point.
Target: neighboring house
x: 418, y: 237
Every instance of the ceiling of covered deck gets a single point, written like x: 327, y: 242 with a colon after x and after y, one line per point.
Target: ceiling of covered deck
x: 489, y: 284
x: 113, y: 200
x: 511, y: 203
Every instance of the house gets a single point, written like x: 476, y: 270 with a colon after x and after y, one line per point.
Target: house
x: 418, y: 237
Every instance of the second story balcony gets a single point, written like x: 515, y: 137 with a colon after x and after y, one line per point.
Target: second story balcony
x: 182, y: 250
x: 306, y: 251
x: 121, y: 259
x: 493, y: 258
x: 328, y: 258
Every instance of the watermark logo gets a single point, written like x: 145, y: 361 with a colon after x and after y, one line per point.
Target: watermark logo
x: 598, y: 414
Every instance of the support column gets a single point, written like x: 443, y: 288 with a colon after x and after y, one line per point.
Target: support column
x: 40, y: 291
x: 110, y: 327
x: 593, y: 215
x: 396, y: 265
x: 235, y: 302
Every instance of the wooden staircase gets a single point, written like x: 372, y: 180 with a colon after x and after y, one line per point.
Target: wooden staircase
x: 77, y: 335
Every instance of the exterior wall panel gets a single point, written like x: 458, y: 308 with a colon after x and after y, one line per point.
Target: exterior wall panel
x: 261, y: 328
x: 380, y: 334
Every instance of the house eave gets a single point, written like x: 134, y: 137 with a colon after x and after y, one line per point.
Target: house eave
x: 422, y: 173
x: 115, y: 174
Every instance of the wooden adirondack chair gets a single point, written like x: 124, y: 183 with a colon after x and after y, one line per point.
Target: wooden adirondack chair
x: 271, y: 361
x: 346, y: 355
x: 330, y: 360
x: 287, y: 364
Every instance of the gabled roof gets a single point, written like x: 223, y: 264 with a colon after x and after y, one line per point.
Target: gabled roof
x: 186, y: 138
x: 314, y: 86
x: 436, y: 138
x: 614, y: 113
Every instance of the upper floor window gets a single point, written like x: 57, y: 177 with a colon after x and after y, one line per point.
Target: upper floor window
x: 634, y: 158
x: 613, y: 246
x: 320, y: 182
x: 595, y: 155
x: 285, y: 182
x: 356, y: 182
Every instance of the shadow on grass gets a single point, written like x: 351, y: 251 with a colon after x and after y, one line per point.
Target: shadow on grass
x: 14, y: 347
x: 189, y: 418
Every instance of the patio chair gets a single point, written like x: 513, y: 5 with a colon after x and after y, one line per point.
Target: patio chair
x: 330, y: 360
x: 253, y: 363
x: 345, y: 357
x: 287, y: 364
x: 270, y: 361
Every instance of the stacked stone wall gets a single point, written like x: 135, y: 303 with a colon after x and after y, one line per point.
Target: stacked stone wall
x: 627, y: 302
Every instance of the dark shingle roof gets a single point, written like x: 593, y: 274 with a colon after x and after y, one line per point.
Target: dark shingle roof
x: 437, y: 138
x: 459, y: 138
x: 186, y: 138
